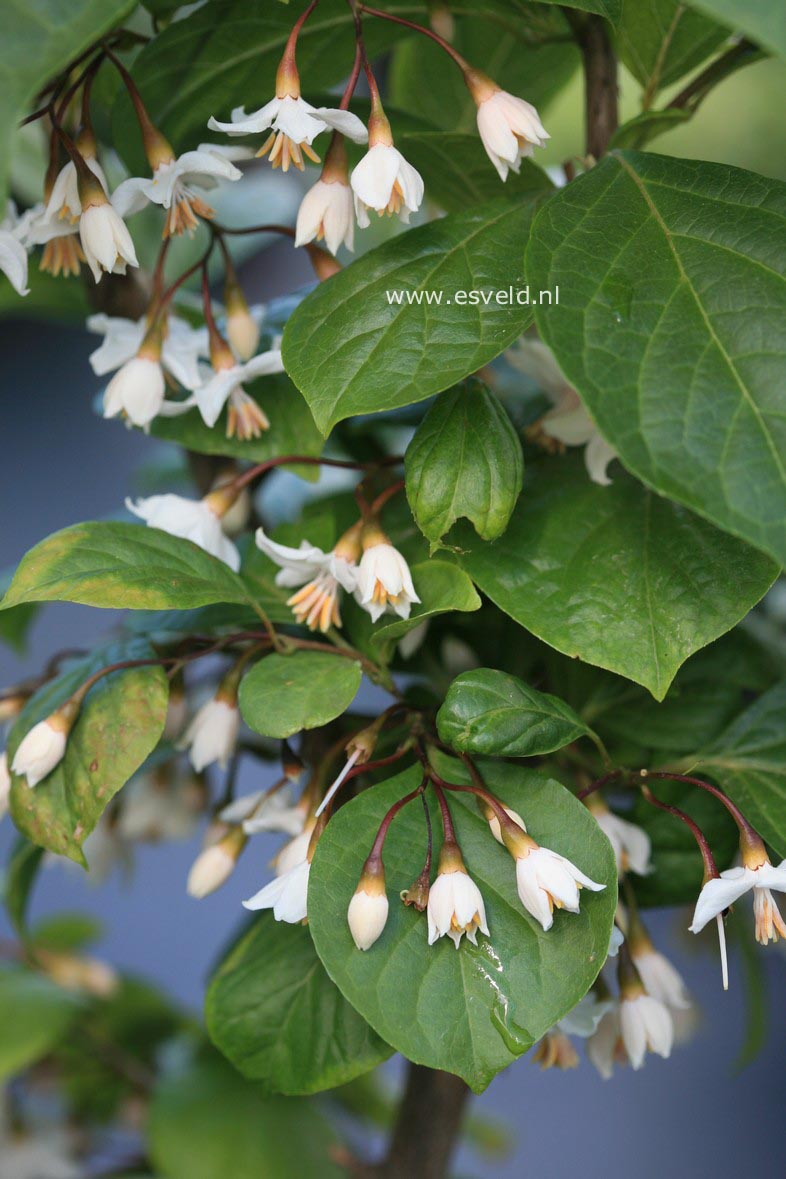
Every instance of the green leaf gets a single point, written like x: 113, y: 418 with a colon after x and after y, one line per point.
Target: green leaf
x: 677, y: 867
x: 671, y: 326
x: 207, y: 1121
x: 748, y: 761
x: 34, y: 1015
x: 284, y: 694
x: 125, y: 567
x: 40, y: 37
x: 615, y: 575
x: 458, y: 173
x: 119, y: 724
x: 762, y: 20
x: 469, y: 1011
x: 272, y: 1009
x: 497, y: 714
x: 464, y: 460
x: 442, y: 588
x: 18, y: 880
x: 292, y: 429
x: 638, y: 131
x: 530, y: 52
x: 225, y: 54
x: 348, y: 363
x: 661, y: 40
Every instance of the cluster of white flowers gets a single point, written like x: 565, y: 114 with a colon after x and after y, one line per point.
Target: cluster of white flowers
x: 363, y: 563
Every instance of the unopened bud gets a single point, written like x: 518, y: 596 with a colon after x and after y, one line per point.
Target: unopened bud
x: 215, y: 864
x: 242, y: 328
x: 368, y: 909
x: 44, y: 746
x: 362, y: 745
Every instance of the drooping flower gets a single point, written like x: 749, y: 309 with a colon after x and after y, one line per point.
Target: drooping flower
x: 138, y: 388
x: 455, y: 905
x: 368, y: 910
x: 180, y: 350
x: 64, y: 202
x: 645, y: 1025
x: 384, y: 582
x: 105, y: 239
x: 286, y: 895
x: 544, y: 878
x: 295, y: 850
x: 13, y: 255
x: 384, y: 181
x: 583, y: 1020
x: 756, y: 874
x: 266, y: 810
x: 660, y: 978
x: 43, y: 747
x: 245, y: 418
x: 327, y: 210
x: 555, y: 1051
x: 631, y: 844
x: 196, y: 520
x: 509, y: 127
x: 172, y: 186
x: 212, y: 734
x: 568, y: 423
x: 293, y: 124
x: 321, y: 575
x: 645, y: 1022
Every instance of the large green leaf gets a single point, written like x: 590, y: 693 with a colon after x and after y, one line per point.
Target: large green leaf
x: 345, y: 362
x: 34, y: 1015
x: 292, y: 429
x: 491, y: 712
x: 284, y: 694
x: 207, y: 1121
x: 272, y: 1009
x: 762, y: 20
x: 464, y: 461
x: 672, y: 325
x: 225, y: 54
x: 749, y: 761
x: 119, y: 724
x: 40, y: 37
x: 469, y: 1011
x: 615, y: 575
x: 660, y: 40
x: 123, y: 566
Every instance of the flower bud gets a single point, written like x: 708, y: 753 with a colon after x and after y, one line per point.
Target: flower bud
x: 242, y: 328
x: 215, y: 864
x: 368, y: 909
x: 44, y: 746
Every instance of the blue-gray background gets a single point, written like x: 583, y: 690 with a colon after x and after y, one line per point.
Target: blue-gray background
x: 691, y: 1115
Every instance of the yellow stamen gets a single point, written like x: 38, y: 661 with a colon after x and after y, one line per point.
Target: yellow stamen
x: 62, y: 255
